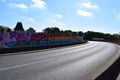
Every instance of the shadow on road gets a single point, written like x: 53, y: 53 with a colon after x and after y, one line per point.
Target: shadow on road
x: 111, y: 73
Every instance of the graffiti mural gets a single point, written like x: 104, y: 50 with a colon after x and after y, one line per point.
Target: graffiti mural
x: 11, y: 40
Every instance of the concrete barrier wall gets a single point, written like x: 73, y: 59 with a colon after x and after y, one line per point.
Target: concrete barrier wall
x: 13, y: 40
x: 112, y: 72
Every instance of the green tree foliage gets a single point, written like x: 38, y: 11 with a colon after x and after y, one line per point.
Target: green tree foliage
x: 107, y: 36
x: 68, y: 32
x: 52, y: 30
x: 74, y: 33
x: 115, y: 36
x: 89, y: 35
x: 31, y: 30
x: 2, y: 30
x: 56, y: 30
x: 9, y: 30
x: 80, y: 33
x: 47, y: 31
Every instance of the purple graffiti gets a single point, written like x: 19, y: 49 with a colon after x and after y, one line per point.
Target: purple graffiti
x: 10, y: 40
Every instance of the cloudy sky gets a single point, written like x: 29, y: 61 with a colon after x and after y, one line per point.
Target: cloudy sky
x: 76, y: 15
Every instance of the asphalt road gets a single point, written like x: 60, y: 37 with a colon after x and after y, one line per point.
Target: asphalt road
x: 77, y: 62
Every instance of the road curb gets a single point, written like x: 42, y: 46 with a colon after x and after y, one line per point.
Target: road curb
x: 118, y: 78
x: 103, y: 69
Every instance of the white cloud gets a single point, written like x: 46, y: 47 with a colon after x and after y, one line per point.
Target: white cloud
x: 38, y: 4
x: 31, y: 19
x: 89, y: 5
x: 84, y: 13
x: 53, y: 21
x: 59, y: 16
x: 21, y: 6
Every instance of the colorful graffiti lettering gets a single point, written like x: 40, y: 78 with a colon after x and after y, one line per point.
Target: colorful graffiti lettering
x: 11, y: 40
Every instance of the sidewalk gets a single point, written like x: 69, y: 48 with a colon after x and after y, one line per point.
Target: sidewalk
x: 118, y: 77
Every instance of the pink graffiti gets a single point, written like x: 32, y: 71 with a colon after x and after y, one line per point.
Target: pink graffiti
x: 7, y: 39
x: 37, y: 37
x: 20, y: 37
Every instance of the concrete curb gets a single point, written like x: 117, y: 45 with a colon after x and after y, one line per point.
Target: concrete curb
x: 102, y: 70
x: 118, y: 78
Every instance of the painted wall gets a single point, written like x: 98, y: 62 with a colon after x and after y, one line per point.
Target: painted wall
x: 11, y: 40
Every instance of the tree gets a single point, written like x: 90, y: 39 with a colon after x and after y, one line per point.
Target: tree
x: 30, y: 30
x: 74, y: 33
x: 47, y: 31
x: 116, y: 36
x: 9, y: 30
x: 2, y: 29
x: 19, y: 27
x: 107, y: 36
x: 88, y: 35
x: 52, y: 30
x: 55, y: 30
x: 68, y: 32
x: 80, y: 33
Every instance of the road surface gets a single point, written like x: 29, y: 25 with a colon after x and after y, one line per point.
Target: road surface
x: 77, y: 62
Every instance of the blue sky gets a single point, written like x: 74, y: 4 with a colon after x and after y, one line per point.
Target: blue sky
x: 75, y: 15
